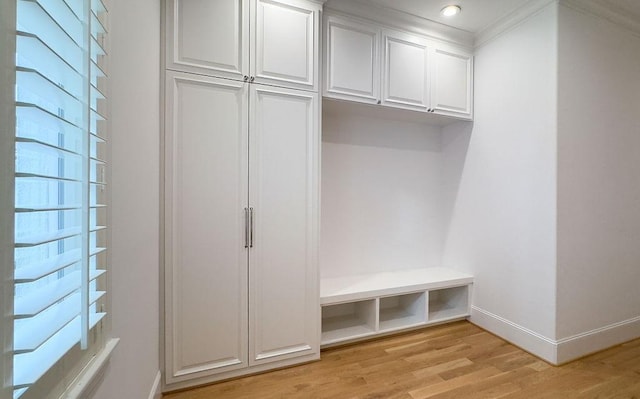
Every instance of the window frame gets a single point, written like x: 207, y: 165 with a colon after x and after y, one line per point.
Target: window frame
x: 7, y: 169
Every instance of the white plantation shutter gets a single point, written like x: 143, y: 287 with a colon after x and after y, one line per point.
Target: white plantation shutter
x: 60, y: 191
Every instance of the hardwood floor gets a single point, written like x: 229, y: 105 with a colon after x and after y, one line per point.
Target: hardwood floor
x: 457, y: 360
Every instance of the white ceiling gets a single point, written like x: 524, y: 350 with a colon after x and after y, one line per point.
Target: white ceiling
x: 479, y: 14
x: 475, y: 15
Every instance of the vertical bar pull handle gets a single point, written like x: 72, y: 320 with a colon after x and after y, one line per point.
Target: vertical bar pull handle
x: 251, y: 228
x: 246, y: 227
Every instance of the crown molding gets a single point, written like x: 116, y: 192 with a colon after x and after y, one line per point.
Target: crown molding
x: 609, y: 12
x: 403, y: 21
x: 511, y: 21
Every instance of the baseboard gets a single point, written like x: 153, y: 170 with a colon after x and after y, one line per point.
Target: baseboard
x: 156, y: 393
x: 560, y: 351
x: 518, y: 335
x: 596, y: 340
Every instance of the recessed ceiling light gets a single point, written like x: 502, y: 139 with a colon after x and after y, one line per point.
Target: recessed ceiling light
x: 450, y: 11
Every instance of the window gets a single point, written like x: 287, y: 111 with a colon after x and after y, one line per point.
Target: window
x: 60, y: 189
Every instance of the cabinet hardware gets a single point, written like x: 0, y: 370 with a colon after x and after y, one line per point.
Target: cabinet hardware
x: 246, y: 227
x: 251, y: 227
x: 245, y: 78
x: 252, y: 79
x: 379, y: 102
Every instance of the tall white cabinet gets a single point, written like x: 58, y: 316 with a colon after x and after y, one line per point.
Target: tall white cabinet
x: 241, y: 166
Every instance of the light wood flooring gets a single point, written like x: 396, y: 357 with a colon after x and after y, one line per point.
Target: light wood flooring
x: 457, y: 360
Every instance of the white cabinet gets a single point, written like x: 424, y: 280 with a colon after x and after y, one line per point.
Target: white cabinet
x: 352, y: 63
x: 241, y: 222
x: 284, y: 145
x: 367, y: 63
x: 452, y: 82
x: 209, y: 37
x: 263, y: 41
x: 206, y: 190
x: 405, y: 82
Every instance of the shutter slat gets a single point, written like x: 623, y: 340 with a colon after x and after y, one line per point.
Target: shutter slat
x: 31, y: 366
x: 43, y: 238
x: 33, y: 18
x: 40, y: 119
x: 41, y: 299
x: 27, y: 274
x: 35, y: 89
x: 37, y: 330
x: 35, y: 54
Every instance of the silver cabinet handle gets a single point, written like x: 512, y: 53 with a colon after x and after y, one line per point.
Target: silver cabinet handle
x: 251, y: 228
x: 245, y: 78
x: 246, y: 227
x: 251, y: 79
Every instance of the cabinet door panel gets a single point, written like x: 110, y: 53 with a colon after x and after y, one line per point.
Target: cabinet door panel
x: 284, y: 302
x: 352, y: 61
x: 452, y: 87
x: 209, y: 37
x: 206, y: 188
x: 405, y: 79
x: 285, y: 44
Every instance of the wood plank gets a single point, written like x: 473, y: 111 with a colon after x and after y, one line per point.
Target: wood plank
x: 453, y: 361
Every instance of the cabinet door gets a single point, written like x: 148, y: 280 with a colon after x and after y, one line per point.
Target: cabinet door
x: 352, y: 63
x: 209, y: 37
x: 205, y: 195
x: 452, y: 88
x: 405, y: 77
x: 284, y: 48
x: 284, y: 294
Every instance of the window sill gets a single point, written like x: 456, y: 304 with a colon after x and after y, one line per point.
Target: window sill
x: 92, y: 375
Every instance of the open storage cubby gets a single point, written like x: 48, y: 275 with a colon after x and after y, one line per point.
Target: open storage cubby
x: 402, y: 311
x: 448, y: 303
x: 354, y: 320
x: 360, y: 306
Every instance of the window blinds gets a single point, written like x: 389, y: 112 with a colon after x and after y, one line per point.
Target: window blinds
x: 60, y: 189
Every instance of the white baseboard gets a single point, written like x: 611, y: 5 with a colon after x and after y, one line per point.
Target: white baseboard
x: 557, y: 351
x: 596, y: 340
x: 155, y: 389
x: 522, y: 337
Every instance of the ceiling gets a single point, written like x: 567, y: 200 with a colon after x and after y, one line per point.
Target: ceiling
x: 477, y: 15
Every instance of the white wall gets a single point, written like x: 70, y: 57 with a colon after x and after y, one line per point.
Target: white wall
x: 134, y: 272
x: 503, y: 222
x: 381, y: 191
x: 598, y: 180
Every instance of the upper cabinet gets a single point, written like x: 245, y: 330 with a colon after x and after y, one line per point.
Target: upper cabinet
x: 263, y: 41
x: 451, y: 82
x: 405, y: 79
x: 352, y: 67
x: 367, y: 63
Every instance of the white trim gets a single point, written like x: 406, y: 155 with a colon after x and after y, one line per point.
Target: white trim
x: 395, y: 19
x: 531, y: 341
x: 557, y: 351
x: 155, y: 392
x: 89, y: 380
x: 510, y: 21
x: 606, y: 11
x: 583, y: 344
x: 7, y: 165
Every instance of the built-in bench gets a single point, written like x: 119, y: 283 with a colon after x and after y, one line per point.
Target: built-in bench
x: 361, y: 306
